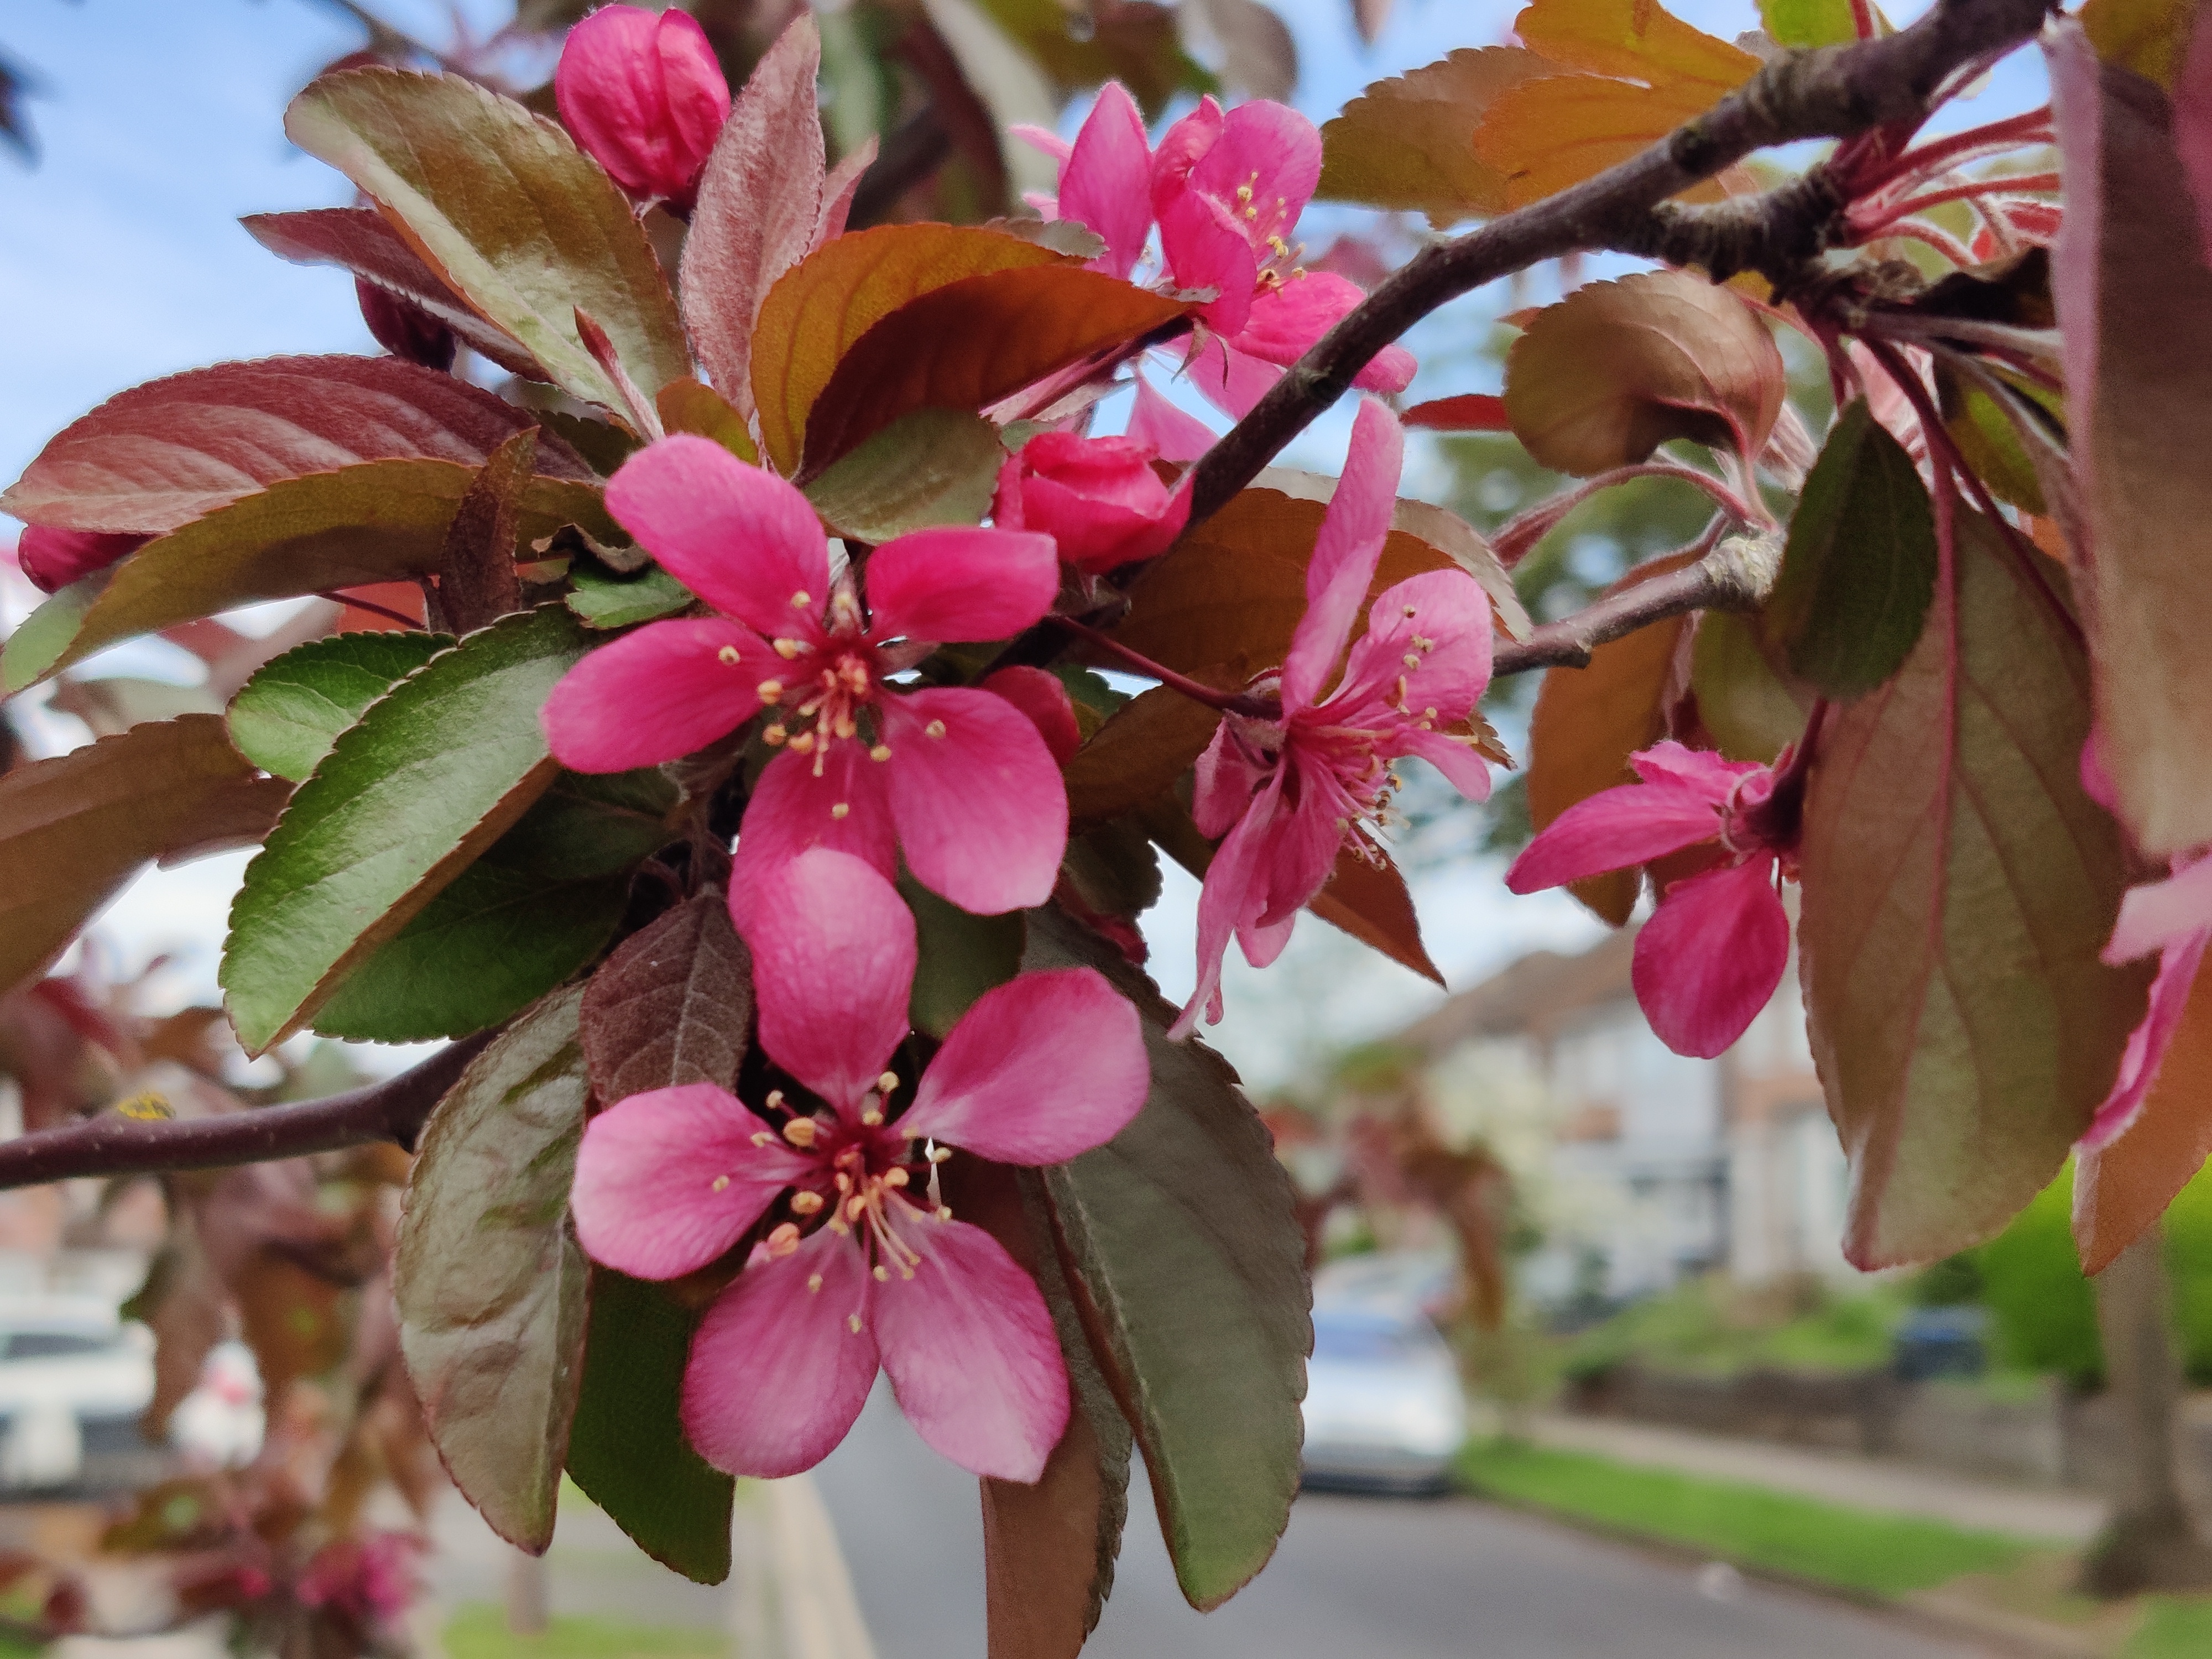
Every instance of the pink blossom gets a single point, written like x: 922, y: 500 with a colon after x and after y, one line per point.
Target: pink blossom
x: 644, y: 97
x: 955, y: 779
x: 52, y: 559
x: 1288, y: 794
x: 371, y: 1581
x: 1098, y: 498
x: 1712, y: 954
x: 863, y: 1265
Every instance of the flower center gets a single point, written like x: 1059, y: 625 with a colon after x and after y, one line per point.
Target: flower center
x: 833, y: 678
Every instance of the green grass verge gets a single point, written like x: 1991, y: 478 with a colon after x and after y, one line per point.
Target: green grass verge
x: 1857, y: 1549
x: 479, y: 1631
x: 2172, y: 1630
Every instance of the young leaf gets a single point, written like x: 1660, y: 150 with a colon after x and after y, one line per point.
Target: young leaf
x: 503, y: 205
x: 1799, y: 24
x: 489, y: 1280
x: 379, y: 521
x: 361, y: 241
x: 409, y: 796
x: 933, y: 467
x: 685, y: 405
x: 1178, y: 1240
x: 2134, y: 302
x: 604, y: 601
x: 1370, y: 902
x: 1589, y: 721
x: 1615, y: 369
x: 1860, y: 567
x: 760, y: 198
x: 539, y: 903
x: 476, y: 580
x: 1958, y: 887
x: 673, y: 1005
x: 285, y: 718
x: 2124, y: 1186
x: 1408, y: 143
x: 74, y: 830
x: 1751, y: 711
x: 162, y: 454
x: 963, y: 955
x: 1632, y: 39
x: 819, y: 308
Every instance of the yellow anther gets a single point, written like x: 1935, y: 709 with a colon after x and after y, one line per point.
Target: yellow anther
x: 1244, y: 191
x: 799, y: 1131
x: 813, y: 1284
x: 768, y: 691
x: 855, y: 1206
x: 841, y: 810
x: 882, y: 752
x: 1410, y: 612
x: 940, y: 1154
x: 844, y: 1182
x: 872, y: 1116
x: 882, y: 1273
x: 935, y: 729
x: 1428, y: 714
x: 1251, y: 213
x: 722, y: 1182
x: 805, y: 1203
x: 803, y: 743
x: 1411, y: 659
x: 845, y: 725
x: 775, y: 736
x: 788, y: 649
x: 1420, y: 644
x: 801, y: 599
x: 763, y: 1139
x: 945, y: 1213
x: 887, y: 1082
x: 853, y: 1323
x: 775, y: 1100
x: 783, y: 1240
x: 729, y: 655
x: 895, y: 1177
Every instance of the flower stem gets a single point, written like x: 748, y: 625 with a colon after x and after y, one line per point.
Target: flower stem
x: 1229, y: 703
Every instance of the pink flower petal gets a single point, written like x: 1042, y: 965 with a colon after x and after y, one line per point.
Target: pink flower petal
x: 833, y: 950
x: 741, y: 538
x: 1615, y: 829
x: 1223, y: 783
x: 1711, y: 775
x: 792, y: 809
x: 1287, y: 321
x: 1042, y: 1067
x: 1391, y: 369
x: 1346, y: 551
x: 1207, y: 248
x: 959, y: 583
x: 1230, y: 899
x: 777, y: 1374
x: 1301, y: 847
x: 1440, y: 618
x: 1263, y: 944
x: 1710, y: 957
x: 1106, y: 183
x: 643, y: 95
x: 1461, y: 763
x: 1232, y: 382
x: 656, y: 694
x: 1182, y: 147
x: 1039, y: 694
x: 970, y: 1347
x: 2163, y: 913
x: 1270, y: 150
x: 980, y: 810
x: 1175, y: 435
x: 1045, y: 141
x: 2148, y: 1042
x: 645, y: 1200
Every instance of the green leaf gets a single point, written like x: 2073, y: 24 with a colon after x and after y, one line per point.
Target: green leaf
x: 961, y: 956
x: 1860, y: 567
x: 1751, y: 711
x: 626, y: 1447
x: 285, y: 718
x: 488, y: 1279
x: 1179, y: 1235
x: 1800, y: 23
x: 74, y: 830
x: 430, y: 776
x: 606, y: 601
x: 1958, y: 887
x: 506, y: 207
x: 380, y: 521
x: 933, y: 467
x: 537, y: 906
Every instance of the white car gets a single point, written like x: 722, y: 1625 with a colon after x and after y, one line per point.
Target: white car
x: 1384, y: 1407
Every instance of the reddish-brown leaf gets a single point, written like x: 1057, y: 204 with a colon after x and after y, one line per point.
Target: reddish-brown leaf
x: 1633, y: 39
x: 760, y: 204
x: 1408, y: 143
x: 1142, y: 748
x: 2121, y: 1188
x: 1589, y: 721
x: 672, y: 1005
x: 162, y: 454
x: 1475, y: 411
x: 476, y: 580
x: 685, y: 405
x: 1370, y: 902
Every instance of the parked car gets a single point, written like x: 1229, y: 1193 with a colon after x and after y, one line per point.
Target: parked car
x: 1384, y: 1409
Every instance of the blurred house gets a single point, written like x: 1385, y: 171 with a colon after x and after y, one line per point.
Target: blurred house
x: 1641, y: 1166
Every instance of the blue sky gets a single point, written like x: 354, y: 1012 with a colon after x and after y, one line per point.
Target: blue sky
x: 159, y: 125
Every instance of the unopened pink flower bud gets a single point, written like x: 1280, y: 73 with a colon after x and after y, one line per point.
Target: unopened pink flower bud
x: 1099, y: 498
x: 645, y: 97
x: 53, y: 559
x: 403, y: 328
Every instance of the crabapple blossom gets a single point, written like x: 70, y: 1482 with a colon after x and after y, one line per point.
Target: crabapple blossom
x: 644, y: 97
x: 1288, y: 794
x: 862, y: 1265
x: 1098, y: 498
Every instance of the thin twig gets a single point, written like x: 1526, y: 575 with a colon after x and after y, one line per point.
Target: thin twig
x: 1737, y: 575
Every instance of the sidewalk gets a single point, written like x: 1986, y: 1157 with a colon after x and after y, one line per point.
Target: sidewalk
x: 1865, y: 1483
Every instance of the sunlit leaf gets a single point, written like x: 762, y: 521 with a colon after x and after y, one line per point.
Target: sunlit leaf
x: 933, y: 467
x: 1798, y: 24
x: 285, y: 718
x: 605, y: 601
x: 1408, y: 143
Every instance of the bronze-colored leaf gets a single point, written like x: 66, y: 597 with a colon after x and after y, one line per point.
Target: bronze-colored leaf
x: 672, y: 1005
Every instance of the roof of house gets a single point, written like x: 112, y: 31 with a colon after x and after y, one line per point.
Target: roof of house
x: 1535, y: 996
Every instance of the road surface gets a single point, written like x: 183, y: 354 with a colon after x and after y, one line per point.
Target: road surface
x: 1356, y: 1578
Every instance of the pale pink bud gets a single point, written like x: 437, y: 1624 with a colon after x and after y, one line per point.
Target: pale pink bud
x: 1098, y: 498
x: 645, y: 97
x: 53, y: 559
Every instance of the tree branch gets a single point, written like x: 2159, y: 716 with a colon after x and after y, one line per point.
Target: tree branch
x: 1737, y: 575
x: 1831, y: 92
x: 394, y: 1110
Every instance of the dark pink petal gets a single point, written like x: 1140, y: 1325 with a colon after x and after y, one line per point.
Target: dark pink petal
x: 1710, y: 957
x: 833, y: 964
x: 960, y: 584
x: 2148, y: 1042
x: 54, y: 558
x: 1441, y: 621
x: 1232, y: 382
x: 1177, y: 436
x: 1713, y: 776
x: 2096, y: 778
x: 1207, y: 248
x: 643, y: 96
x: 1615, y: 829
x: 1301, y: 849
x: 1272, y: 151
x: 970, y: 1347
x: 1230, y: 899
x: 2160, y: 913
x: 657, y: 695
x: 1391, y: 369
x: 647, y: 1198
x: 1182, y: 147
x: 1039, y: 694
x: 777, y: 1373
x: 793, y: 809
x: 1263, y: 944
x: 741, y: 538
x: 1042, y: 1067
x: 1106, y: 183
x: 1460, y: 762
x: 980, y: 811
x: 1288, y: 319
x: 1223, y: 783
x: 1345, y: 552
